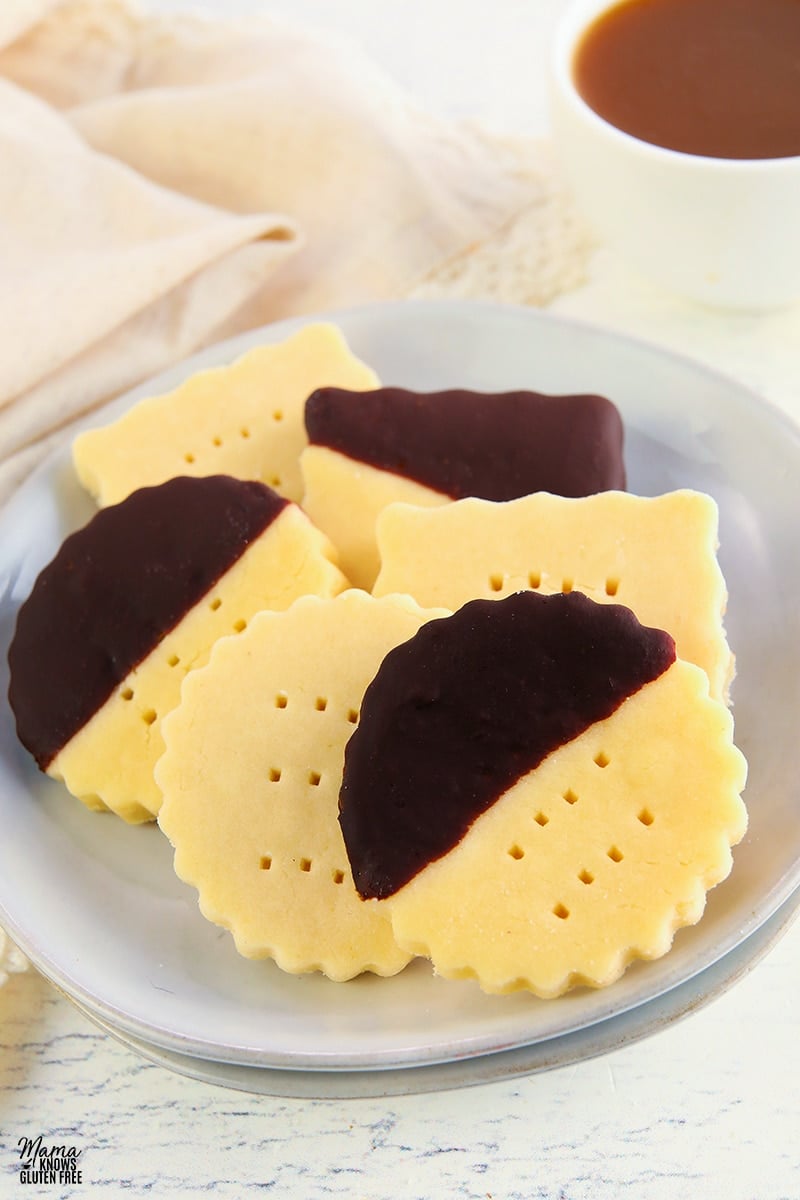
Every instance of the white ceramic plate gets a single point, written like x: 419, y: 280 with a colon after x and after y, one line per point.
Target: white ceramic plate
x: 589, y: 1042
x: 95, y: 903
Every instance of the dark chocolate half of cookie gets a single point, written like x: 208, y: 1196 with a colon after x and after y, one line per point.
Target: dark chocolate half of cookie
x: 467, y: 707
x: 115, y: 588
x: 496, y: 446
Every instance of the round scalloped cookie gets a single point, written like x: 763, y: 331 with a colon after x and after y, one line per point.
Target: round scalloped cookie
x: 581, y: 868
x: 132, y: 603
x: 516, y: 838
x: 244, y: 419
x: 251, y: 778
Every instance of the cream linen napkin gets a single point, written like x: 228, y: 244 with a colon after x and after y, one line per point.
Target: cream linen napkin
x: 170, y: 181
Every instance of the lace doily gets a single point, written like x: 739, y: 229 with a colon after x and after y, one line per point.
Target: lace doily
x: 12, y: 960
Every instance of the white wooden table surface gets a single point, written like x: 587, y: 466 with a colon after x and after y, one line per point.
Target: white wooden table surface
x: 708, y: 1109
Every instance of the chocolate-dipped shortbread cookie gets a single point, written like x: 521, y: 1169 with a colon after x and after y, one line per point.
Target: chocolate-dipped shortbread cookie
x: 540, y: 792
x: 371, y: 448
x: 132, y: 602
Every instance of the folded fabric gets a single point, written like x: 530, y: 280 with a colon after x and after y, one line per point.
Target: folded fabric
x: 169, y: 181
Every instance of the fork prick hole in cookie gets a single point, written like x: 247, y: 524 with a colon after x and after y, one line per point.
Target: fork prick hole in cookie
x: 646, y: 817
x: 561, y: 911
x: 305, y: 865
x: 541, y: 819
x: 274, y: 774
x: 570, y: 796
x: 321, y: 704
x: 265, y: 862
x: 601, y: 759
x: 516, y: 852
x: 586, y: 877
x: 281, y: 700
x: 496, y: 583
x: 615, y: 854
x: 314, y: 778
x: 612, y: 586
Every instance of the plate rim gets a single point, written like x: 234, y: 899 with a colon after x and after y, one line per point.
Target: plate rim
x: 217, y: 353
x: 581, y: 1045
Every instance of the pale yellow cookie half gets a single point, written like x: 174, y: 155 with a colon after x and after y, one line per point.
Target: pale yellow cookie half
x: 345, y: 498
x: 109, y: 763
x: 251, y: 778
x: 656, y: 555
x: 593, y: 859
x: 245, y: 420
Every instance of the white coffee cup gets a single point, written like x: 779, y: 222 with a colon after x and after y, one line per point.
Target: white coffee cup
x: 725, y: 232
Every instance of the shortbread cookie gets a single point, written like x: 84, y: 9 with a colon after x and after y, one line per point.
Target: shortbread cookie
x: 657, y: 555
x: 540, y: 792
x: 244, y: 420
x: 371, y: 448
x: 251, y: 780
x: 129, y: 605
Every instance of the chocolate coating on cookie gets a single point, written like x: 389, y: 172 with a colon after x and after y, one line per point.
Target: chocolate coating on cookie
x: 115, y: 588
x: 464, y: 443
x: 474, y: 701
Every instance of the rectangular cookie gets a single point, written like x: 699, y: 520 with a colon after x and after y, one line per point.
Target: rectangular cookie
x: 244, y: 419
x: 657, y: 555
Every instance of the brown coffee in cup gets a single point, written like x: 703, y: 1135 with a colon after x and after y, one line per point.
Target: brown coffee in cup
x: 719, y: 78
